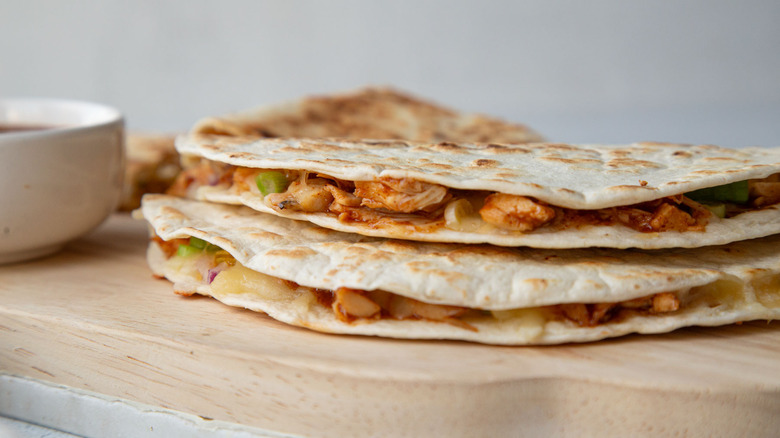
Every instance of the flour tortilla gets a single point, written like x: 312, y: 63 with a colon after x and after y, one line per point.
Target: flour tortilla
x: 582, y: 177
x: 718, y: 285
x: 371, y: 112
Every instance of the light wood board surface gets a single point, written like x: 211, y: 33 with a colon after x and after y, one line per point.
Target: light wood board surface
x: 93, y: 317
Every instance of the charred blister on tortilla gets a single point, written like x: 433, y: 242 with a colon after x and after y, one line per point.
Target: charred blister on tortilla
x: 403, y: 200
x: 210, y: 265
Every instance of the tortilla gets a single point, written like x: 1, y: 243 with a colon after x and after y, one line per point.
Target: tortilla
x: 151, y: 166
x: 371, y: 112
x: 510, y: 296
x: 549, y: 195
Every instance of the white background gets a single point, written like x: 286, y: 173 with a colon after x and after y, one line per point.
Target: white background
x: 612, y: 71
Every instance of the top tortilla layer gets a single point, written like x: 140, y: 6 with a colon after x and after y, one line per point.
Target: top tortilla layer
x: 372, y: 112
x: 572, y: 176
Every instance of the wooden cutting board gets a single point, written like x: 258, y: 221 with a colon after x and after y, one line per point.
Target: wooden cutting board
x: 93, y: 317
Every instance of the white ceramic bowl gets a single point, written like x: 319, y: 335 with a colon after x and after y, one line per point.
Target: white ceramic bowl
x: 56, y: 184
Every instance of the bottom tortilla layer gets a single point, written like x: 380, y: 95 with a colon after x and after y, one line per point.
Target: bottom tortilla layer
x: 721, y: 302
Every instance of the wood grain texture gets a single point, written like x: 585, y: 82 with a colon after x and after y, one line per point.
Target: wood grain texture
x: 93, y: 317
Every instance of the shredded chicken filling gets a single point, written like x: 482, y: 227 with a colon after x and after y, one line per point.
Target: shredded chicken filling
x: 375, y: 201
x: 591, y: 315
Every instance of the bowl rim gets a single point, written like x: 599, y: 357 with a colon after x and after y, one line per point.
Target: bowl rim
x: 110, y: 116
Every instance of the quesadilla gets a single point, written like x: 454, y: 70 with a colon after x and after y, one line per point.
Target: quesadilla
x: 545, y: 195
x: 336, y: 282
x: 151, y: 166
x: 371, y: 112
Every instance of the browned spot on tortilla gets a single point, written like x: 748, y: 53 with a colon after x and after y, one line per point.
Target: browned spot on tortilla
x: 493, y: 148
x: 336, y: 160
x: 630, y: 162
x: 382, y: 256
x: 448, y: 276
x: 318, y: 232
x: 485, y: 163
x: 420, y: 265
x: 420, y: 149
x: 294, y: 253
x: 572, y: 160
x: 441, y: 166
x: 558, y: 146
x: 595, y: 284
x: 293, y: 150
x: 172, y: 213
x: 507, y: 175
x: 619, y: 152
x: 626, y: 187
x: 264, y: 235
x: 324, y: 147
x: 685, y: 154
x: 378, y: 144
x: 355, y: 249
x: 564, y: 190
x: 397, y: 246
x: 449, y: 147
x: 537, y: 283
x: 466, y: 252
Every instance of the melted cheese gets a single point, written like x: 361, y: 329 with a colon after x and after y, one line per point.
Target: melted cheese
x: 724, y: 292
x: 529, y: 323
x: 183, y: 269
x: 767, y: 290
x: 242, y: 280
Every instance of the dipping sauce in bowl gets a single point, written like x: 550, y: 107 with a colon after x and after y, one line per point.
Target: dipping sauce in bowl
x: 61, y: 164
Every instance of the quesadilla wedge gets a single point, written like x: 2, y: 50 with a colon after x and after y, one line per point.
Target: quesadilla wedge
x: 151, y: 166
x: 644, y: 195
x: 371, y: 112
x: 381, y: 112
x: 336, y: 282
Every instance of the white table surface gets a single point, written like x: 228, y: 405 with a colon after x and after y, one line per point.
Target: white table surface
x: 11, y: 428
x: 32, y: 408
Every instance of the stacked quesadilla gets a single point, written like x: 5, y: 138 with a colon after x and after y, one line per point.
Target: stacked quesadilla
x: 445, y: 236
